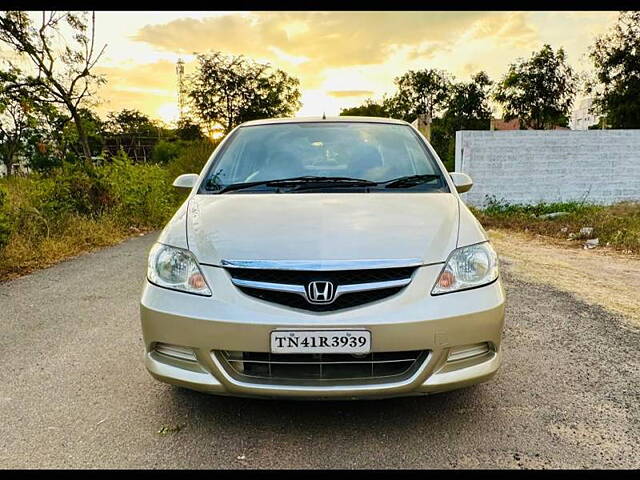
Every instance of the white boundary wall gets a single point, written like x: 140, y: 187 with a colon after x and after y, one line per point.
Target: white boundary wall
x: 532, y: 166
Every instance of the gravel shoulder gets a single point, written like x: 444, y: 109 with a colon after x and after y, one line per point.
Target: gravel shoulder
x: 600, y: 276
x: 74, y: 392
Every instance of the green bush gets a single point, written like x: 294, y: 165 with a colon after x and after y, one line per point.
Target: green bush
x: 500, y: 207
x: 163, y: 152
x: 191, y: 158
x: 142, y: 193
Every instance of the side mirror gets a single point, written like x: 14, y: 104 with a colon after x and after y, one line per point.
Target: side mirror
x: 186, y: 180
x: 462, y: 181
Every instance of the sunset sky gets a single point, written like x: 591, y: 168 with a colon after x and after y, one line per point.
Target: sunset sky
x: 341, y: 58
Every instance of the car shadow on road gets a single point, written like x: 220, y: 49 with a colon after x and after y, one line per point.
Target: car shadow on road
x: 431, y: 412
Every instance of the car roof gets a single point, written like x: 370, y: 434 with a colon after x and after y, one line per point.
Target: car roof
x: 271, y: 121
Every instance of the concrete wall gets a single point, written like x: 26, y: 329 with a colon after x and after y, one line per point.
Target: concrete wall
x: 532, y: 166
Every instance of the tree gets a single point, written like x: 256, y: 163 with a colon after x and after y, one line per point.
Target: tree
x: 133, y: 132
x: 467, y: 109
x: 539, y: 91
x: 20, y: 115
x: 368, y: 109
x: 65, y: 73
x: 616, y: 58
x: 229, y: 90
x: 130, y: 122
x: 419, y: 92
x: 187, y: 130
x: 69, y: 143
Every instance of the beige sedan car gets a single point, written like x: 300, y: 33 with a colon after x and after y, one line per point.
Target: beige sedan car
x: 323, y: 258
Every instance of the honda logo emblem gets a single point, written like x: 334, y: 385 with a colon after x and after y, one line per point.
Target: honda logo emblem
x: 320, y: 292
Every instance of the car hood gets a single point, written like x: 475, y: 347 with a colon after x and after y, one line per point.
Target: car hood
x: 317, y: 227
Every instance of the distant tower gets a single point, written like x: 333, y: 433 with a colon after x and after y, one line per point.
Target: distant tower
x: 180, y: 73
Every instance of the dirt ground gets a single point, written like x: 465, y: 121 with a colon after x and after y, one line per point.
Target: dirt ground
x: 600, y: 276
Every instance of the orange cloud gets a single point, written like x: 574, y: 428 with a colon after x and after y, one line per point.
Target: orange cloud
x: 509, y: 28
x: 328, y: 39
x: 350, y: 93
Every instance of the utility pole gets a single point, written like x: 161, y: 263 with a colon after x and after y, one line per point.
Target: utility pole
x: 180, y: 73
x: 423, y: 124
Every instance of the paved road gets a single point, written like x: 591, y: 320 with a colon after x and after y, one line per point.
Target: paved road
x: 74, y: 393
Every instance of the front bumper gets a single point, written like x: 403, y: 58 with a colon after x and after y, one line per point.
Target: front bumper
x: 409, y: 320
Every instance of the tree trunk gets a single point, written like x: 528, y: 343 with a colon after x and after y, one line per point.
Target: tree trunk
x: 8, y: 157
x: 82, y: 135
x: 8, y: 163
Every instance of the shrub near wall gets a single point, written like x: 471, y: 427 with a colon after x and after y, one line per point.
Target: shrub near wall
x: 616, y: 226
x: 44, y: 219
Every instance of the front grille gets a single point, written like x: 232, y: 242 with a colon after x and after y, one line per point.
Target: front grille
x: 322, y: 367
x: 344, y: 301
x: 337, y: 278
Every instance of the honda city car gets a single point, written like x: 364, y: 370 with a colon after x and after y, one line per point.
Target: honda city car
x: 323, y: 258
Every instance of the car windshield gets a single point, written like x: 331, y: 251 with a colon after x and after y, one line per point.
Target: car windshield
x: 324, y: 155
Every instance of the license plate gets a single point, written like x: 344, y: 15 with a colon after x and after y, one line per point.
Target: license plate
x: 320, y: 341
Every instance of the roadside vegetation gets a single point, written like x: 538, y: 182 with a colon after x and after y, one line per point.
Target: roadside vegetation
x: 615, y: 226
x: 73, y: 208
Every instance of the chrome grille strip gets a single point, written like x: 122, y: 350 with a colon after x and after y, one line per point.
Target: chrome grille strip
x: 341, y: 289
x: 278, y: 287
x: 363, y: 287
x: 323, y: 265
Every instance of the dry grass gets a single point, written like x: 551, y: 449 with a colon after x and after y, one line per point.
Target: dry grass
x: 75, y: 209
x: 23, y: 255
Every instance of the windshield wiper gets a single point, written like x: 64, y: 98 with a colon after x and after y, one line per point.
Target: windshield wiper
x: 409, y: 181
x: 309, y: 181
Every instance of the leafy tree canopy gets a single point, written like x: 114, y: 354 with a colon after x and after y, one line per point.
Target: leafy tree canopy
x: 22, y: 117
x: 130, y: 122
x: 419, y: 92
x: 62, y: 65
x: 229, y: 90
x: 616, y: 58
x: 468, y: 104
x: 188, y: 130
x: 538, y: 91
x: 368, y: 109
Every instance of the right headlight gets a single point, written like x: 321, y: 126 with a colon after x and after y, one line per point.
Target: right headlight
x: 177, y: 269
x: 467, y: 267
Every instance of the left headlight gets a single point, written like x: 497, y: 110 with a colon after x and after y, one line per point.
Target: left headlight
x: 467, y: 267
x: 177, y: 269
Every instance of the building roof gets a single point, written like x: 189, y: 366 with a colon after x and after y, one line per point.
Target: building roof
x: 270, y: 121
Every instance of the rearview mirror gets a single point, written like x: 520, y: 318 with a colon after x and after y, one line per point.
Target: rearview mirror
x: 462, y: 181
x: 186, y: 180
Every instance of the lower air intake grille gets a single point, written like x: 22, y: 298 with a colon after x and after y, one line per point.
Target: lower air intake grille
x: 322, y: 367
